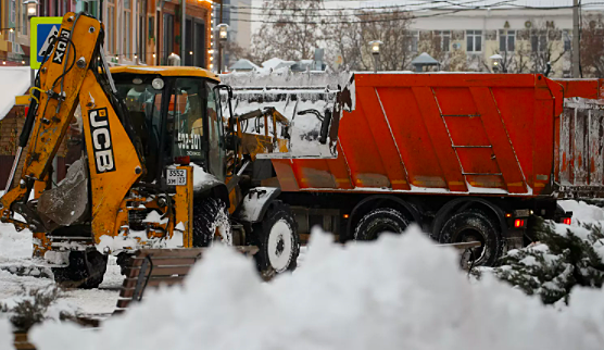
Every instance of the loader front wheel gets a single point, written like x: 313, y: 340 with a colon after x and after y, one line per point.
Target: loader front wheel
x: 277, y: 238
x: 210, y: 222
x: 86, y: 270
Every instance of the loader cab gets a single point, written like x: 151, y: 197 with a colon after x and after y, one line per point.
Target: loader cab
x: 176, y: 114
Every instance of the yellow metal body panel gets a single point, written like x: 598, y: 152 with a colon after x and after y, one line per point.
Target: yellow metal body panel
x: 167, y: 71
x: 41, y: 244
x: 22, y: 100
x: 183, y: 206
x: 112, y: 160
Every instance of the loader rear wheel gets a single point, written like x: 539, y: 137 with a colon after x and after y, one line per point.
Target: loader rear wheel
x: 210, y: 222
x: 277, y: 238
x: 86, y: 270
x: 474, y: 226
x: 378, y: 221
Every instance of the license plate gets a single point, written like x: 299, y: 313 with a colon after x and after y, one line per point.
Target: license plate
x: 177, y: 177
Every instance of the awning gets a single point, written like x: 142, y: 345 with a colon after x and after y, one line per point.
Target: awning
x: 14, y: 81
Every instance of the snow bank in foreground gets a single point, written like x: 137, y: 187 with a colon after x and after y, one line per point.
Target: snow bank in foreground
x: 401, y: 292
x: 14, y: 245
x: 6, y: 335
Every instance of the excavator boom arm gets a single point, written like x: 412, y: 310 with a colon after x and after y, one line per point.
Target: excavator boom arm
x: 69, y: 77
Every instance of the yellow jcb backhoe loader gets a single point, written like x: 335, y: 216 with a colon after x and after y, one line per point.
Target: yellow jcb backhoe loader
x: 158, y: 167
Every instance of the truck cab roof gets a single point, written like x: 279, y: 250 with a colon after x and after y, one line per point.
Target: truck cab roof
x: 167, y: 71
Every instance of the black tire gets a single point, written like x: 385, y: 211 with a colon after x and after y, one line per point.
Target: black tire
x: 85, y: 270
x: 208, y: 214
x: 472, y: 226
x: 379, y: 220
x: 277, y: 239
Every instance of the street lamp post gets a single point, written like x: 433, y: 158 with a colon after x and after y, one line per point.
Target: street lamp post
x: 375, y: 51
x: 32, y: 11
x: 222, y: 38
x: 496, y: 61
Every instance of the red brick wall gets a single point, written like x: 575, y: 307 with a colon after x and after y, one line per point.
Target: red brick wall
x: 10, y: 129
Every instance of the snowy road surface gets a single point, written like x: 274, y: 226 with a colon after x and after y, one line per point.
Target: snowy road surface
x: 16, y: 250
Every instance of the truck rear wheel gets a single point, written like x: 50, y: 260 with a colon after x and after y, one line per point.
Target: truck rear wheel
x: 474, y: 226
x: 378, y: 221
x: 86, y: 270
x: 210, y: 222
x: 277, y: 239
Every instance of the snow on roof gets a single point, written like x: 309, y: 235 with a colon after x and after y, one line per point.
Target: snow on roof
x: 14, y: 81
x: 244, y: 64
x: 275, y: 63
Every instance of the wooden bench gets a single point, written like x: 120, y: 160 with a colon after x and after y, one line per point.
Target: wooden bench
x: 156, y: 267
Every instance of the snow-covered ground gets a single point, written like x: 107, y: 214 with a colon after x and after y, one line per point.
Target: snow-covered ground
x: 399, y: 292
x: 16, y: 250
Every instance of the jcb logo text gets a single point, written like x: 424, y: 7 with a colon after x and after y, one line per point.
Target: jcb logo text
x: 101, y: 140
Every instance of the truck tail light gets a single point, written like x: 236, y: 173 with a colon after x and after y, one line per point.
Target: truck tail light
x: 566, y: 221
x: 518, y: 223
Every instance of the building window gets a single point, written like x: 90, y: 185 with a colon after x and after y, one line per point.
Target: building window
x: 538, y: 41
x: 24, y: 19
x: 567, y: 40
x: 142, y: 31
x: 445, y: 39
x: 12, y: 17
x: 507, y: 40
x: 413, y: 40
x: 168, y: 38
x: 474, y: 40
x: 127, y: 31
x: 111, y: 26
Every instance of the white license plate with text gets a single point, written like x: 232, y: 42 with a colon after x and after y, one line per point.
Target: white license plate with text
x: 177, y: 177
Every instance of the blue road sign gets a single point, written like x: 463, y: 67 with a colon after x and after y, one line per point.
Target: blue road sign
x: 43, y: 31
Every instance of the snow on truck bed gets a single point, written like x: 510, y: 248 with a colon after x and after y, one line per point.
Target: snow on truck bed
x: 401, y: 292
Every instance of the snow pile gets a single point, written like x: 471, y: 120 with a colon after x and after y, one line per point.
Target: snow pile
x: 14, y: 245
x: 583, y: 212
x: 400, y: 292
x: 15, y: 82
x: 6, y: 335
x: 32, y: 306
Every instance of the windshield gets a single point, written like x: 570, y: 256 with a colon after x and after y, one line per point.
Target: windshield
x: 144, y: 110
x: 186, y: 109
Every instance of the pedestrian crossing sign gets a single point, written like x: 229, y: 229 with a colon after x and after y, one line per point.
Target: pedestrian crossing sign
x: 42, y: 34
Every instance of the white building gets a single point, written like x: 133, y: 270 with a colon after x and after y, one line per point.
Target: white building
x: 470, y: 32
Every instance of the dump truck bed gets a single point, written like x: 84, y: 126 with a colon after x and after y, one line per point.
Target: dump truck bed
x: 459, y: 134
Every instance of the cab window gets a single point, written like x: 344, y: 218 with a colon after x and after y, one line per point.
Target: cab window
x: 186, y: 109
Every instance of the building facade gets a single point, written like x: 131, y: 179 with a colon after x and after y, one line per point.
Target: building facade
x: 237, y: 14
x: 137, y: 31
x: 514, y: 40
x: 148, y: 31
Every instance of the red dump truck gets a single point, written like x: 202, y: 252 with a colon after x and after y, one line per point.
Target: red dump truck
x: 465, y: 156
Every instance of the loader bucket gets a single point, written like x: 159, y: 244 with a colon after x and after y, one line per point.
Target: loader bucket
x: 312, y: 102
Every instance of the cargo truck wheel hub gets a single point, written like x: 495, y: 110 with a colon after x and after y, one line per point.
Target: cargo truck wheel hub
x: 280, y: 246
